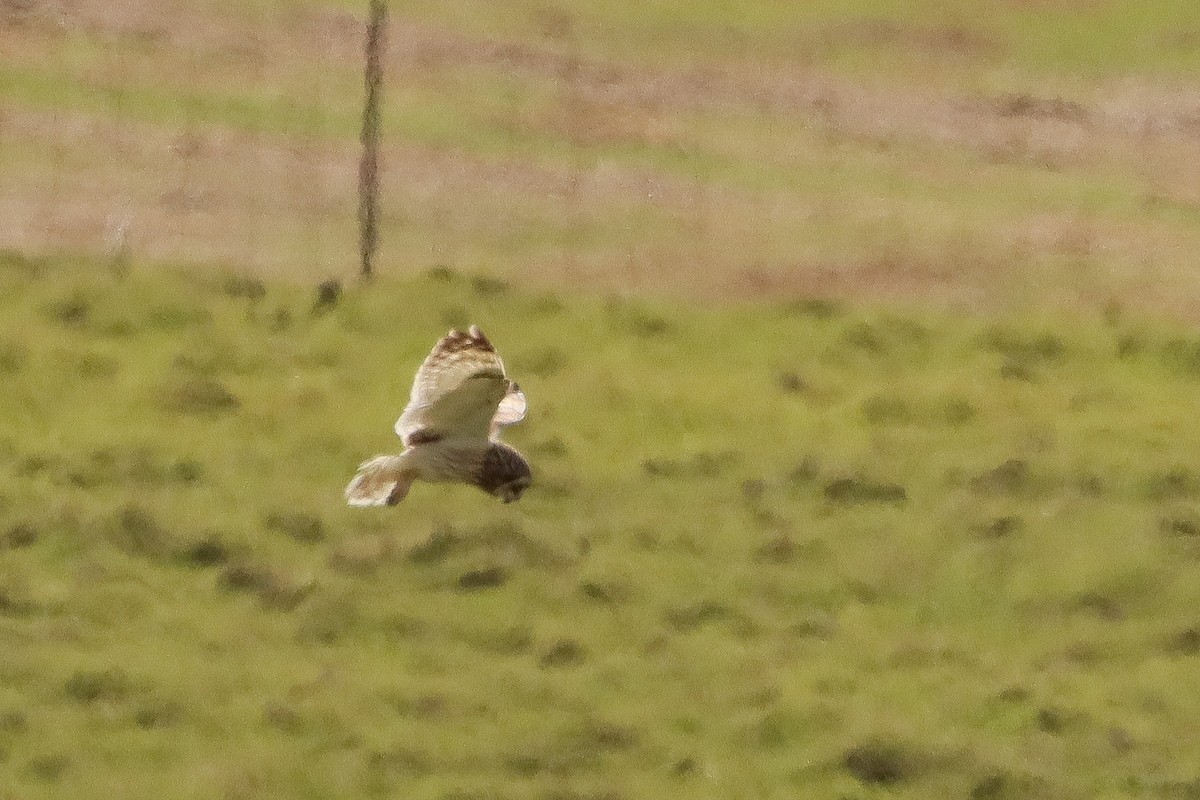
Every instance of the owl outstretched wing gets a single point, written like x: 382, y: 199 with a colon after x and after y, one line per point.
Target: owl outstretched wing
x: 460, y: 391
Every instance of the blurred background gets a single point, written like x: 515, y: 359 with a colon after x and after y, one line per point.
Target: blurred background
x: 858, y: 343
x: 980, y: 153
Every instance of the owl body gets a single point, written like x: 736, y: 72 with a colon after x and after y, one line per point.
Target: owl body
x: 461, y: 399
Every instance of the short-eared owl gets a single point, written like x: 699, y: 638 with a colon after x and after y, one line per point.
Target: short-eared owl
x: 461, y: 398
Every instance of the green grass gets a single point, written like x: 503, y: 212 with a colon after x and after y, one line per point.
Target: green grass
x: 1094, y: 39
x: 790, y: 549
x: 800, y: 547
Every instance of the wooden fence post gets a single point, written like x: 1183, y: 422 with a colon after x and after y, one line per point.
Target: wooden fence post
x: 368, y: 170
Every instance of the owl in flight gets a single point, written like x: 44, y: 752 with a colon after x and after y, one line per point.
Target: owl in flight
x: 461, y: 398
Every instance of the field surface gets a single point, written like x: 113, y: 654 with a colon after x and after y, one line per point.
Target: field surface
x: 1015, y: 152
x: 858, y: 345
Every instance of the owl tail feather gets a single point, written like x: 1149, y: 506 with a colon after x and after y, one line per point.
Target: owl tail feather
x: 382, y: 481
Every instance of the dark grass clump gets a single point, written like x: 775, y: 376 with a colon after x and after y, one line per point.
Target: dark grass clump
x: 17, y: 263
x: 576, y: 750
x: 780, y: 550
x: 1012, y: 370
x: 144, y: 466
x: 327, y: 619
x: 199, y: 396
x: 327, y: 296
x: 20, y: 535
x: 884, y: 409
x: 488, y: 286
x: 363, y: 555
x: 35, y: 464
x: 508, y: 641
x: 889, y: 336
x: 498, y: 543
x: 890, y: 409
x: 456, y: 316
x: 156, y: 713
x: 753, y: 491
x: 563, y: 653
x: 1177, y: 483
x: 386, y: 767
x: 275, y: 588
x: 1182, y: 357
x: 1098, y: 604
x: 546, y: 305
x: 135, y: 531
x: 1131, y: 346
x: 552, y: 488
x: 646, y: 325
x: 90, y: 365
x: 606, y: 592
x: 439, y: 546
x: 819, y: 628
x: 1001, y: 784
x: 107, y: 685
x: 284, y: 718
x: 629, y: 318
x: 695, y: 615
x: 175, y: 317
x: 206, y: 551
x: 1182, y: 523
x: 790, y: 382
x: 400, y: 627
x: 1012, y: 476
x: 883, y: 762
x: 1185, y: 642
x: 817, y: 308
x: 442, y: 273
x: 544, y: 363
x: 13, y: 723
x: 300, y: 526
x: 1024, y: 347
x: 582, y: 794
x: 244, y: 287
x: 999, y: 527
x: 73, y: 311
x: 777, y: 727
x: 13, y: 357
x: 805, y: 472
x: 857, y: 490
x: 421, y: 705
x: 49, y: 767
x: 280, y: 319
x: 701, y: 465
x: 1180, y: 789
x: 474, y: 580
x: 955, y: 411
x: 17, y: 595
x: 1057, y: 720
x: 551, y: 447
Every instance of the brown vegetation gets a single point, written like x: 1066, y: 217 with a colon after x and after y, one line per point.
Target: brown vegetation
x: 751, y: 176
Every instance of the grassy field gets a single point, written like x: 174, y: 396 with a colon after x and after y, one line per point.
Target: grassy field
x: 862, y: 402
x: 793, y: 549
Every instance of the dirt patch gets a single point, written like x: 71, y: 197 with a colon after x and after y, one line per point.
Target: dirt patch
x: 625, y: 175
x: 213, y: 194
x: 1021, y: 104
x: 1058, y: 5
x: 953, y: 40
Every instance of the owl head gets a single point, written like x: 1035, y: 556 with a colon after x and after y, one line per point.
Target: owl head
x: 504, y: 473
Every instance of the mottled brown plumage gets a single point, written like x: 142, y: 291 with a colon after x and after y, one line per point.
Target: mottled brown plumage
x: 461, y: 398
x: 501, y: 465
